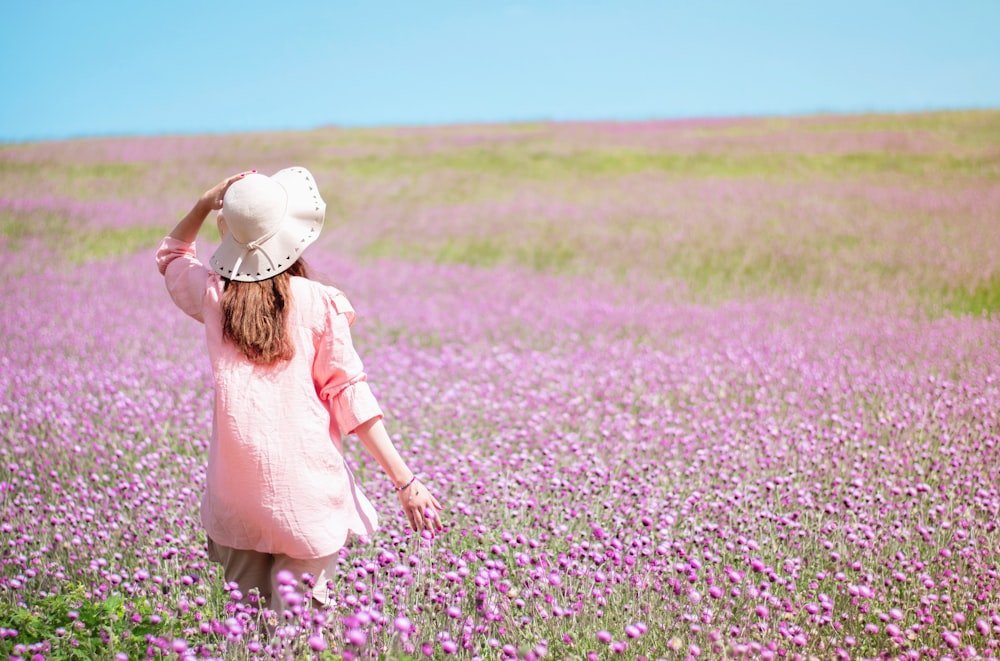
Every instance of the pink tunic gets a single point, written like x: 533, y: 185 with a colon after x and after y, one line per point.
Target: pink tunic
x: 277, y: 480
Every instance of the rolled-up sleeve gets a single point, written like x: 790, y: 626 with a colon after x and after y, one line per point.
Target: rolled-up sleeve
x: 338, y: 371
x: 186, y: 277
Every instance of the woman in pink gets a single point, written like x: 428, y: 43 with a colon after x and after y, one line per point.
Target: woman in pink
x: 288, y: 387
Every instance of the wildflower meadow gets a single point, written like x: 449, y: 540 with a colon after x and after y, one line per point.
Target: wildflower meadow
x: 686, y: 389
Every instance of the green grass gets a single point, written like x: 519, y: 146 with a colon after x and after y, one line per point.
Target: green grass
x: 980, y: 125
x: 545, y: 165
x: 75, y: 626
x: 978, y: 130
x: 474, y: 252
x: 712, y: 271
x: 74, y: 172
x: 715, y: 274
x: 982, y: 298
x: 823, y: 222
x: 480, y: 252
x: 77, y: 244
x: 96, y: 244
x: 18, y: 227
x: 99, y: 627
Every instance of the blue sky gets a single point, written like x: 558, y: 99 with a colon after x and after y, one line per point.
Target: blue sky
x: 121, y: 68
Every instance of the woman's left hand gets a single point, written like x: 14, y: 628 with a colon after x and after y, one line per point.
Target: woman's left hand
x: 421, y: 508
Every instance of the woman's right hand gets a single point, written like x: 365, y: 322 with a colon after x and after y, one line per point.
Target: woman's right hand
x: 419, y: 505
x: 211, y: 200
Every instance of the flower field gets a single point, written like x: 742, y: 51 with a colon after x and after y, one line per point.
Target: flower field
x: 687, y: 390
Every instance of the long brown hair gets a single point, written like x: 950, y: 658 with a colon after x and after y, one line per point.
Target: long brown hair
x: 255, y: 314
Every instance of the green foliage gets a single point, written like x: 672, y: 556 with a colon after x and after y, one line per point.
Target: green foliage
x: 109, y: 170
x: 74, y: 243
x: 555, y: 257
x: 16, y: 227
x: 717, y: 273
x: 476, y: 252
x: 980, y: 299
x: 800, y: 206
x: 979, y: 127
x: 480, y: 252
x: 79, y: 180
x: 95, y: 244
x: 76, y: 627
x: 548, y: 164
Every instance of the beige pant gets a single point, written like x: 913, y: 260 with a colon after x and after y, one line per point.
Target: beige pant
x: 255, y: 570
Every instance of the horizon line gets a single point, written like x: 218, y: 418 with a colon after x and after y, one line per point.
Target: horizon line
x: 722, y: 117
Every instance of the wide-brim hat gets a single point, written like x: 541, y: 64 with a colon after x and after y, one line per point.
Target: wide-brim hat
x: 269, y: 222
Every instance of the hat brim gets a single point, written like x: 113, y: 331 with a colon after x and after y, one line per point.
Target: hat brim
x: 303, y: 220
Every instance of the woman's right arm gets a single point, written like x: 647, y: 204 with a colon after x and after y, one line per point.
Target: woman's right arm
x: 211, y: 200
x: 176, y: 258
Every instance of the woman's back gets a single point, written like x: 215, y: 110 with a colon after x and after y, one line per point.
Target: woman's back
x: 288, y: 387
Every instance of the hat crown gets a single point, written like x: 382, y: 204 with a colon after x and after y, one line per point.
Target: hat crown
x: 269, y: 221
x: 254, y: 207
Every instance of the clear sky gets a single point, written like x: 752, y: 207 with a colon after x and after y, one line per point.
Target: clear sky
x: 95, y: 67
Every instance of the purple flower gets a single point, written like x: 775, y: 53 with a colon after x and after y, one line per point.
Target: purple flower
x: 317, y: 643
x: 356, y: 637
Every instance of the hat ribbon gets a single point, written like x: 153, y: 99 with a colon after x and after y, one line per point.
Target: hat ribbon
x: 252, y: 246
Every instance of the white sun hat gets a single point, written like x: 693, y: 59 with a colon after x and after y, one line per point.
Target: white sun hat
x: 269, y: 222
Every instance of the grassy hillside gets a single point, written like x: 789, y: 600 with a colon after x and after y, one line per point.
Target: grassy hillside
x: 902, y: 207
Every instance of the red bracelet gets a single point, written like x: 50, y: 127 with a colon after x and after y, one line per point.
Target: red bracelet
x: 407, y: 485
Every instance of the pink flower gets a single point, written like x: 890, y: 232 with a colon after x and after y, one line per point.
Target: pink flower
x: 356, y: 637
